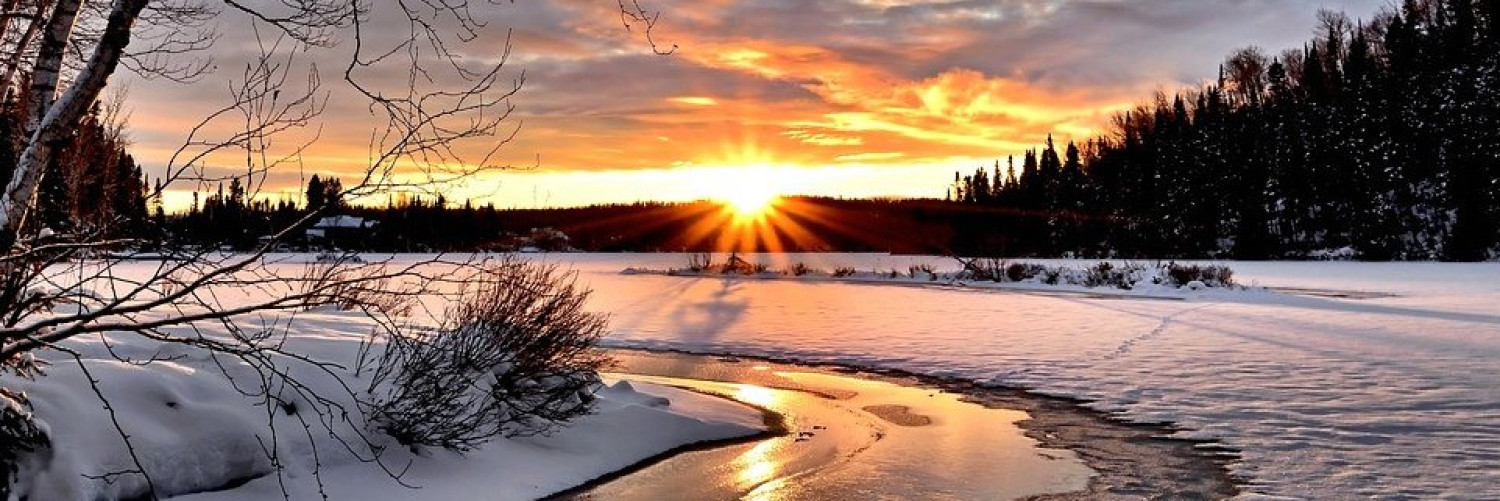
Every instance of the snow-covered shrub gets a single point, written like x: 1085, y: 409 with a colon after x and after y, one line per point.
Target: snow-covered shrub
x: 19, y: 436
x: 516, y: 357
x: 337, y: 258
x: 1180, y: 275
x: 1020, y: 272
x: 1106, y: 274
x: 1345, y: 253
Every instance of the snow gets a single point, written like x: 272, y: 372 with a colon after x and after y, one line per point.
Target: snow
x: 1394, y: 396
x: 1389, y: 397
x: 194, y: 430
x: 631, y: 424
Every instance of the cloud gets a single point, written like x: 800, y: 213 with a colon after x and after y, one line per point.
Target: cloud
x: 817, y: 83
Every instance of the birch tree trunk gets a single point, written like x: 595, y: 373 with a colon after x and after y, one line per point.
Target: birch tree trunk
x: 54, y: 117
x: 49, y: 59
x: 14, y: 63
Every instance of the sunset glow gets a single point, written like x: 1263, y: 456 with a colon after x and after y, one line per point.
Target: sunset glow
x: 846, y: 98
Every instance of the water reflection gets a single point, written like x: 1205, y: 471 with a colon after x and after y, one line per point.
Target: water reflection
x: 757, y: 465
x: 875, y: 440
x: 760, y: 467
x: 756, y: 395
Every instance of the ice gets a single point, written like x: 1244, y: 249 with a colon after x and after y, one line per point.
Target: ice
x: 1381, y: 397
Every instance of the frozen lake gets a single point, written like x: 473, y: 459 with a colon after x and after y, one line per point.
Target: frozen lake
x: 1385, y: 397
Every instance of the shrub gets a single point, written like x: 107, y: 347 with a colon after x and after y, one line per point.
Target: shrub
x: 1106, y: 274
x: 337, y: 258
x: 19, y: 436
x: 989, y: 268
x: 918, y: 269
x: 349, y: 288
x: 843, y: 271
x: 1180, y: 275
x: 739, y: 266
x: 701, y: 262
x: 516, y: 357
x: 1018, y: 272
x: 800, y: 269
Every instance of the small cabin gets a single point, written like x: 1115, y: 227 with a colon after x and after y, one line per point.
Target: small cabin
x: 350, y: 232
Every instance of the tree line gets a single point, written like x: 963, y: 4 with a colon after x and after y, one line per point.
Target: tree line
x: 92, y: 187
x: 230, y: 216
x: 1380, y: 138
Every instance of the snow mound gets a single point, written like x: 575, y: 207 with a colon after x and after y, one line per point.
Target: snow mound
x: 193, y: 433
x: 624, y: 393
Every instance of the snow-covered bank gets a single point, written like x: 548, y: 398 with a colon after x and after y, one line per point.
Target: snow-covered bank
x: 633, y: 422
x: 1385, y: 397
x: 193, y: 429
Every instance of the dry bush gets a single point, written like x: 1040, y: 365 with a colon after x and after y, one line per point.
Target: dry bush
x: 800, y: 269
x: 739, y: 266
x: 701, y: 262
x: 516, y: 357
x: 843, y: 271
x: 346, y: 288
x: 1212, y: 276
x: 918, y: 269
x: 984, y: 269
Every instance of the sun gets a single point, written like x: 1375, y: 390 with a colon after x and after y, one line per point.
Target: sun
x: 748, y: 193
x: 750, y: 201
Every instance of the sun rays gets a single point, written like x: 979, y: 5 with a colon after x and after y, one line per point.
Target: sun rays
x: 751, y: 203
x: 747, y: 200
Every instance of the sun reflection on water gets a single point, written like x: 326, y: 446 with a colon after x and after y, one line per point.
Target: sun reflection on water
x: 760, y: 468
x: 755, y: 395
x: 759, y: 471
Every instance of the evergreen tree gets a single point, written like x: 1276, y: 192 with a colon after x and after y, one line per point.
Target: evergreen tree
x: 315, y: 193
x: 1380, y: 137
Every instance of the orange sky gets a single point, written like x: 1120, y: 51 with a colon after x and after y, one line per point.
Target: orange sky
x: 850, y: 97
